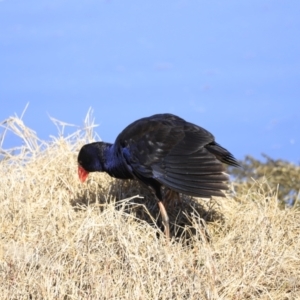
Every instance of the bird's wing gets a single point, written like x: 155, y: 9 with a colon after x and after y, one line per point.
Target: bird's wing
x: 200, y: 174
x: 191, y: 168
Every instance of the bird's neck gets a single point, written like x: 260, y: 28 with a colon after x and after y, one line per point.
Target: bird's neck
x: 115, y: 164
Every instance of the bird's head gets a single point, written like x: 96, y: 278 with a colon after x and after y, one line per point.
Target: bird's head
x: 89, y: 160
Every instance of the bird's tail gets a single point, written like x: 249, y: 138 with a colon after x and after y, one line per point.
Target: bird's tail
x: 222, y: 154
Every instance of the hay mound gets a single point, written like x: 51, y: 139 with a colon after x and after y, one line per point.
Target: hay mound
x: 64, y: 240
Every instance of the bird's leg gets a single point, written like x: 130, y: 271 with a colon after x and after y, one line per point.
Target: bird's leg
x: 165, y: 219
x: 156, y: 189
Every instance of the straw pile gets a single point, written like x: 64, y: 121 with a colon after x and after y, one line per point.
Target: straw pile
x: 101, y: 240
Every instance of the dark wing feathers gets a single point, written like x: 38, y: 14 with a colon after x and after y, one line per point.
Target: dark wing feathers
x: 178, y: 154
x: 197, y: 190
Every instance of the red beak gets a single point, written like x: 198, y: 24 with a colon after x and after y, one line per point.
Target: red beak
x: 82, y: 173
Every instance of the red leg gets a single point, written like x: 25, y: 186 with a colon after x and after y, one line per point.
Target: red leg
x: 165, y: 219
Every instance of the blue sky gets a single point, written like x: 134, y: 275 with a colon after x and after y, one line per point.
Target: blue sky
x: 232, y: 67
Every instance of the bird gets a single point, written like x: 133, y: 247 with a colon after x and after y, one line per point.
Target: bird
x: 162, y: 151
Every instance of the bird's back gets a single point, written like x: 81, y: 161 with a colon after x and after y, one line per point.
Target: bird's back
x: 180, y: 155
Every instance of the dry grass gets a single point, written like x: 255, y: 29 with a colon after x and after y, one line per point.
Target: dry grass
x: 281, y: 175
x: 64, y: 240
